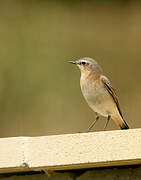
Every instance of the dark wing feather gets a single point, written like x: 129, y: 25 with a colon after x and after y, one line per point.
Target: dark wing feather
x: 112, y: 92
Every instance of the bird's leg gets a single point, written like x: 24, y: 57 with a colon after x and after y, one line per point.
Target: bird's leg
x: 93, y: 123
x: 108, y: 119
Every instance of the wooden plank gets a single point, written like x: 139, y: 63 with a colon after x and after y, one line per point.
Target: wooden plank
x: 71, y: 151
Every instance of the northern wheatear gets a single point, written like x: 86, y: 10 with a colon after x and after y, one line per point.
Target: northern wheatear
x: 99, y: 93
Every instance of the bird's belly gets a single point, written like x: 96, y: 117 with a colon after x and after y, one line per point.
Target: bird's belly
x: 104, y: 107
x: 99, y: 99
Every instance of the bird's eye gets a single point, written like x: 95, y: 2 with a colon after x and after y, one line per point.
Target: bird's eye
x: 83, y: 62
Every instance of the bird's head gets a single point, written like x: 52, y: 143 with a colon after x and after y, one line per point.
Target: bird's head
x: 88, y: 65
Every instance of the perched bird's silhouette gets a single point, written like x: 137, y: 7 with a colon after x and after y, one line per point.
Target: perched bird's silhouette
x: 99, y: 93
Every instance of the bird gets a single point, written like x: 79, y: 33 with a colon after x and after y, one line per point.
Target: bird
x: 99, y: 93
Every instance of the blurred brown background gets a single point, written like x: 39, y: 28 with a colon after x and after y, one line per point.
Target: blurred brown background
x: 39, y: 90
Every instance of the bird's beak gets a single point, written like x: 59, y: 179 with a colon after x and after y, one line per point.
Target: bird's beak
x: 72, y: 62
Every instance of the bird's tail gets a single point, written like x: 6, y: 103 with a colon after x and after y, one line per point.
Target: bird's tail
x: 121, y: 122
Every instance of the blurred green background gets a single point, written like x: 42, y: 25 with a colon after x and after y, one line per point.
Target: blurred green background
x: 39, y: 90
